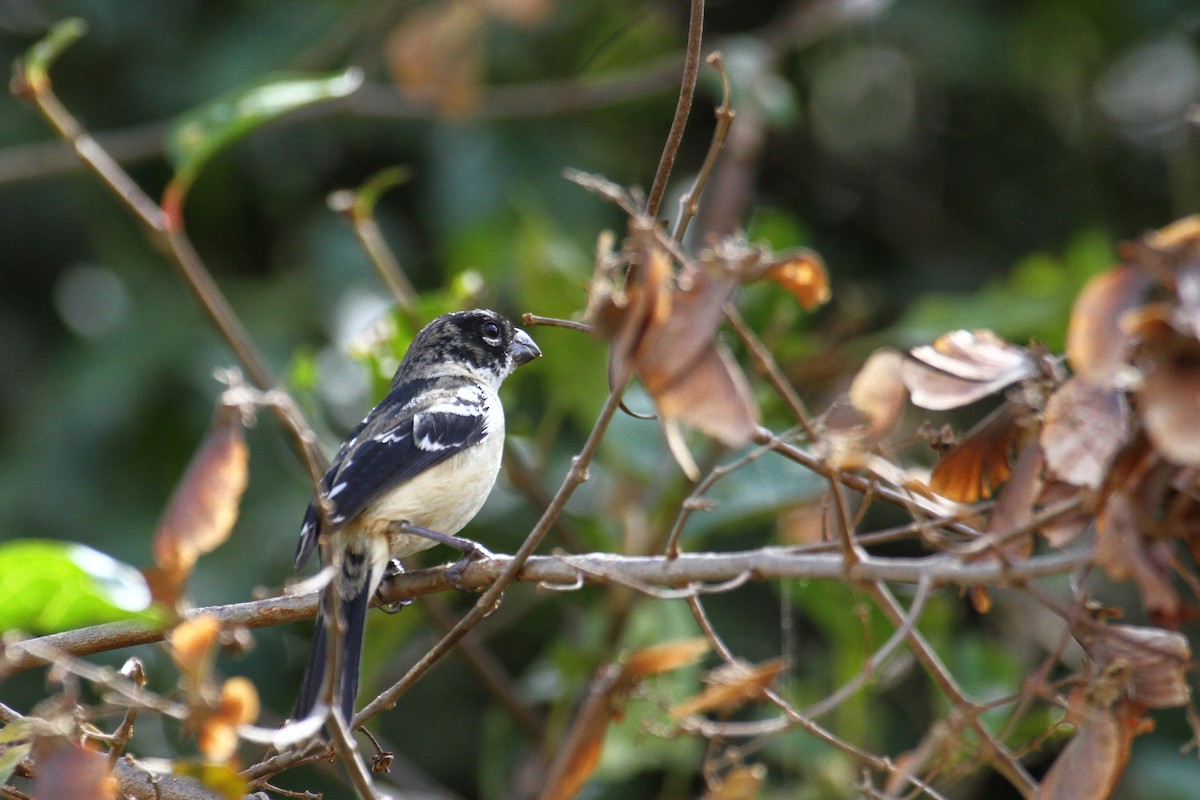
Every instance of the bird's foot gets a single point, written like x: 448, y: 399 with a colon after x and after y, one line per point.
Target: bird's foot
x: 471, y: 552
x: 393, y: 569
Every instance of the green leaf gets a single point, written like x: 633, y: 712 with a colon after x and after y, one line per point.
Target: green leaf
x: 16, y: 740
x: 47, y: 587
x: 199, y: 134
x: 38, y: 58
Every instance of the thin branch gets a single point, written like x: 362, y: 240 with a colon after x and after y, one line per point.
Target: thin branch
x: 915, y: 609
x: 534, y: 319
x: 766, y: 362
x: 565, y: 571
x: 687, y: 90
x: 696, y: 502
x: 690, y: 204
x: 793, y: 716
x: 358, y: 208
x: 994, y: 750
x: 343, y: 745
x: 491, y: 673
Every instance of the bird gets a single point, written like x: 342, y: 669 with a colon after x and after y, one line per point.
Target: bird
x: 412, y: 474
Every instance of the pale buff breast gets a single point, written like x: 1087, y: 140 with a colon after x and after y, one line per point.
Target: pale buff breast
x: 444, y: 498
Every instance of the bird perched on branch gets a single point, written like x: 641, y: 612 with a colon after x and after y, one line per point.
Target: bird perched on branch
x: 411, y: 475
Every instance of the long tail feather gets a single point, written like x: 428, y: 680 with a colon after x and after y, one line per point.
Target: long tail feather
x: 358, y: 581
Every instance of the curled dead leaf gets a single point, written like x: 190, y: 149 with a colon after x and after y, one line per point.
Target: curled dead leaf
x: 1097, y: 348
x: 1124, y: 553
x: 204, y: 506
x: 979, y: 464
x: 666, y: 332
x: 729, y: 687
x: 1085, y: 425
x: 1158, y: 661
x: 665, y: 657
x: 1089, y: 766
x: 962, y: 367
x: 803, y: 274
x: 217, y: 735
x: 1169, y: 402
x: 878, y: 391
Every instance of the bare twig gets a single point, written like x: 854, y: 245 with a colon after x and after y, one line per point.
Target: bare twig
x: 687, y: 88
x: 183, y: 256
x: 994, y: 750
x: 134, y: 671
x: 690, y: 204
x: 762, y: 564
x: 343, y: 745
x: 491, y: 673
x: 876, y: 661
x: 358, y: 207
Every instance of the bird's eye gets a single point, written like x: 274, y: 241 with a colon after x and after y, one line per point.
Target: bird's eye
x: 491, y: 332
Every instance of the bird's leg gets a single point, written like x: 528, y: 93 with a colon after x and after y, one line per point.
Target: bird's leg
x: 394, y: 568
x: 471, y: 551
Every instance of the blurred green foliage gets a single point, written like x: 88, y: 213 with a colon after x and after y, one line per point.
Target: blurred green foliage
x: 956, y: 164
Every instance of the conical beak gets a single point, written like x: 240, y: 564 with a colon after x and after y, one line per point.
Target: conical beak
x: 523, y: 348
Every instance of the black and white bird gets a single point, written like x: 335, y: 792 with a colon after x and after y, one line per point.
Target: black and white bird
x: 412, y: 474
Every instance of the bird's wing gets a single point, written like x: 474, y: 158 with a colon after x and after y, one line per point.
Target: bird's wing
x: 406, y: 434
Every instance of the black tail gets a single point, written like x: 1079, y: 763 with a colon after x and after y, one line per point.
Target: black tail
x: 354, y: 620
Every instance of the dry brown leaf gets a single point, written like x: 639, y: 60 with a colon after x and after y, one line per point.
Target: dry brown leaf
x: 1169, y: 402
x: 193, y: 645
x: 1015, y: 504
x: 67, y: 771
x: 1089, y: 766
x: 204, y: 506
x: 962, y: 367
x: 1158, y: 660
x: 1124, y: 553
x: 803, y: 274
x: 878, y: 391
x: 238, y: 705
x: 666, y: 332
x: 729, y: 687
x: 1084, y: 428
x: 436, y: 52
x: 713, y: 397
x: 1013, y: 509
x: 659, y: 658
x: 1179, y: 233
x: 1097, y: 347
x: 979, y: 464
x: 740, y: 783
x: 805, y: 523
x: 576, y: 760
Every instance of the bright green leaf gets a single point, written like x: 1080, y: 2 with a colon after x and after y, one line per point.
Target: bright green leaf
x: 47, y: 587
x: 202, y: 132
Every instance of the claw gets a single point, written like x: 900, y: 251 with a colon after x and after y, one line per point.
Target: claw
x: 393, y: 568
x: 472, y: 553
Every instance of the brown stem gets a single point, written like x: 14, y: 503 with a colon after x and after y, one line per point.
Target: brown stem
x: 687, y: 90
x: 690, y: 205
